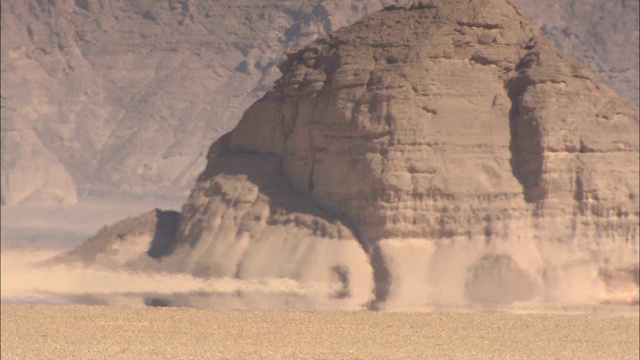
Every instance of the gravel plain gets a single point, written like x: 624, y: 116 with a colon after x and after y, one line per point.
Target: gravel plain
x: 121, y: 332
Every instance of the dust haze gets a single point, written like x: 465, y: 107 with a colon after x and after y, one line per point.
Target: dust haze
x: 28, y: 278
x: 32, y: 235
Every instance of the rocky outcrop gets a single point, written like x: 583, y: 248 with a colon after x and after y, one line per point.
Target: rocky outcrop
x: 127, y: 242
x: 124, y: 96
x: 438, y: 155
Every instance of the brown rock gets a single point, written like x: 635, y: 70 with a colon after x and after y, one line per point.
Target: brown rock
x: 128, y: 242
x: 445, y: 131
x: 446, y: 150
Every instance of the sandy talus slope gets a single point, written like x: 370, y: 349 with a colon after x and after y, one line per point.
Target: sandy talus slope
x: 89, y: 332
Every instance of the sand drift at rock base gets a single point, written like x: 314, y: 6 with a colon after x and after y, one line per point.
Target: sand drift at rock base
x: 30, y: 277
x: 472, y: 273
x: 452, y: 279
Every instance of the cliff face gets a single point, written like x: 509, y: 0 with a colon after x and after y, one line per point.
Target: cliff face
x: 125, y: 96
x: 30, y: 172
x: 107, y: 96
x: 446, y: 151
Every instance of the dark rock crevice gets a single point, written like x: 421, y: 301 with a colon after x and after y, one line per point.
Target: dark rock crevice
x: 321, y: 13
x: 527, y: 153
x: 164, y: 236
x: 478, y: 25
x: 381, y: 275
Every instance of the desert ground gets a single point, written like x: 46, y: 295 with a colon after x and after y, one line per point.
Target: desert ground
x: 39, y: 320
x: 117, y: 332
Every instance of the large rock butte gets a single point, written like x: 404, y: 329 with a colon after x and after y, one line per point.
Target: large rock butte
x: 442, y: 154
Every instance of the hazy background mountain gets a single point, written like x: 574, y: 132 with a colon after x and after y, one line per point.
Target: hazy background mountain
x: 602, y: 34
x: 111, y: 96
x: 124, y: 97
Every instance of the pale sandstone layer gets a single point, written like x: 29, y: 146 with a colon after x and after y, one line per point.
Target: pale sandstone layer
x: 438, y: 154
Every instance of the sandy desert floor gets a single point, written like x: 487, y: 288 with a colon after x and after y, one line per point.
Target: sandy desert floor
x: 50, y: 330
x: 116, y: 332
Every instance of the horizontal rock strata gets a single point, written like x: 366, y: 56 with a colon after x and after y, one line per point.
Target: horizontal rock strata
x: 442, y: 154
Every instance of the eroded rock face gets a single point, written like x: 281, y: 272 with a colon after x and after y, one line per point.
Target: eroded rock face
x: 30, y: 173
x: 129, y: 242
x: 442, y: 154
x: 245, y: 221
x: 439, y: 135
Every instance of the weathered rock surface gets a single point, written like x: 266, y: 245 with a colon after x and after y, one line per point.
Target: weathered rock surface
x: 453, y: 125
x: 124, y: 96
x: 443, y: 154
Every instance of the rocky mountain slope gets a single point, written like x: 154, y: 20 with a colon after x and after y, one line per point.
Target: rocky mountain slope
x: 439, y: 154
x: 602, y: 34
x: 125, y: 96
